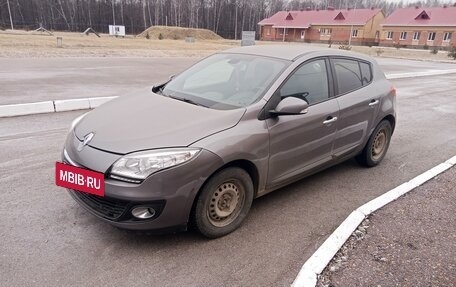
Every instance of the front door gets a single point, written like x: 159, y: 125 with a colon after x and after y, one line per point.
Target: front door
x: 300, y: 142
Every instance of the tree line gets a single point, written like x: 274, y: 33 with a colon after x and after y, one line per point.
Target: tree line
x: 225, y: 17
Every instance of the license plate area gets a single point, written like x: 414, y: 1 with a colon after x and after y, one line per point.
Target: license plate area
x: 79, y: 179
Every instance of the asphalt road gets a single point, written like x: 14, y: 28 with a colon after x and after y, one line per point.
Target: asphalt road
x: 43, y: 79
x: 48, y: 240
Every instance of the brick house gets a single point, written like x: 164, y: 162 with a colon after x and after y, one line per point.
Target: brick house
x: 420, y: 27
x: 323, y: 26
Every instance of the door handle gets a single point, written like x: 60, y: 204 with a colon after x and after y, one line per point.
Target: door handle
x: 329, y: 120
x: 373, y: 103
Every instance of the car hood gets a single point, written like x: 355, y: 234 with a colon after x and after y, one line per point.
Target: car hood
x: 151, y: 121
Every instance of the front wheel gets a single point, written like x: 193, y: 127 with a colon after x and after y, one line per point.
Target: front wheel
x: 377, y: 146
x: 223, y: 203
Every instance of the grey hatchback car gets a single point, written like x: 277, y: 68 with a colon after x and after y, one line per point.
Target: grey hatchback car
x: 234, y: 126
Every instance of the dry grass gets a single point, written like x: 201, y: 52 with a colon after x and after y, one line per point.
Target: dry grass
x: 28, y: 44
x: 178, y: 33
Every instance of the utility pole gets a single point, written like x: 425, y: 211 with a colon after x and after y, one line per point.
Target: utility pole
x: 238, y: 5
x: 113, y: 14
x: 351, y: 29
x: 235, y: 21
x: 11, y: 18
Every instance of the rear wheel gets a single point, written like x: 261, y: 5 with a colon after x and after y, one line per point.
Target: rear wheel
x: 223, y: 203
x: 377, y: 146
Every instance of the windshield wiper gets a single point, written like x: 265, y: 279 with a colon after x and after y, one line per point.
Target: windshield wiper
x: 187, y: 101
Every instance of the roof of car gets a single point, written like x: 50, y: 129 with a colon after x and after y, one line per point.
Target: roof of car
x: 286, y: 52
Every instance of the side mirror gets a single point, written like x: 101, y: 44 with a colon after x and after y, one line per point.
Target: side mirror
x: 290, y: 106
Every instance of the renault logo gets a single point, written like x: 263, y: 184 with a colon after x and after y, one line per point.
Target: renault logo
x: 87, y: 138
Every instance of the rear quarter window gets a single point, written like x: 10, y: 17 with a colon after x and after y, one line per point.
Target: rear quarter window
x: 366, y: 72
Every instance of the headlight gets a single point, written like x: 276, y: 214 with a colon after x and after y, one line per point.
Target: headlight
x: 137, y: 166
x: 77, y: 120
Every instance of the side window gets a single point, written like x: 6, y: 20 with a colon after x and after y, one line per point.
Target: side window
x: 348, y: 75
x: 366, y: 72
x: 308, y: 82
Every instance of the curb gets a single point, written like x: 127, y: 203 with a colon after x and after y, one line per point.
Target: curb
x: 52, y: 106
x: 307, y: 276
x: 90, y: 103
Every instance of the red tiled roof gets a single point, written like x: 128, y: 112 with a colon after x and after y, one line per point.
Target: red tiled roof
x: 438, y: 16
x: 306, y: 18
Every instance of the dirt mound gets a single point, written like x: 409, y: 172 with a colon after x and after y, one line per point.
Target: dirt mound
x: 178, y: 33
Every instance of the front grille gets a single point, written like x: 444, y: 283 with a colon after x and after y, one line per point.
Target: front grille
x: 104, y: 207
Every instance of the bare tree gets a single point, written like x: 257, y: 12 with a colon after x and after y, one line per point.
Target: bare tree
x: 225, y: 17
x: 144, y: 13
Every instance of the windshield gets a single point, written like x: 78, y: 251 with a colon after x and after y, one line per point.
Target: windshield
x: 225, y: 81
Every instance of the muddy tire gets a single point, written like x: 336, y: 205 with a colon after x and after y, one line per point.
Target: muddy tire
x: 377, y: 146
x: 223, y: 203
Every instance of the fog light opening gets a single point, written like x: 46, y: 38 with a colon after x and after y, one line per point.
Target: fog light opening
x: 143, y: 212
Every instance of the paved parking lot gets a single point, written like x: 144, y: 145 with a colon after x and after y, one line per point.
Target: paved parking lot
x: 47, y: 239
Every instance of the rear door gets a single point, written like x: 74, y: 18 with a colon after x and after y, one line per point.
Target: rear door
x: 300, y: 142
x: 358, y: 103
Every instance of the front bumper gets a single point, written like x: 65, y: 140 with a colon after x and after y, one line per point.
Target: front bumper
x: 171, y: 192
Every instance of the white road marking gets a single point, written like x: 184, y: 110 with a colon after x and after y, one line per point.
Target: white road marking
x: 420, y: 74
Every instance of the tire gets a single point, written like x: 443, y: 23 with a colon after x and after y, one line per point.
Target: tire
x: 377, y: 145
x: 223, y: 203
